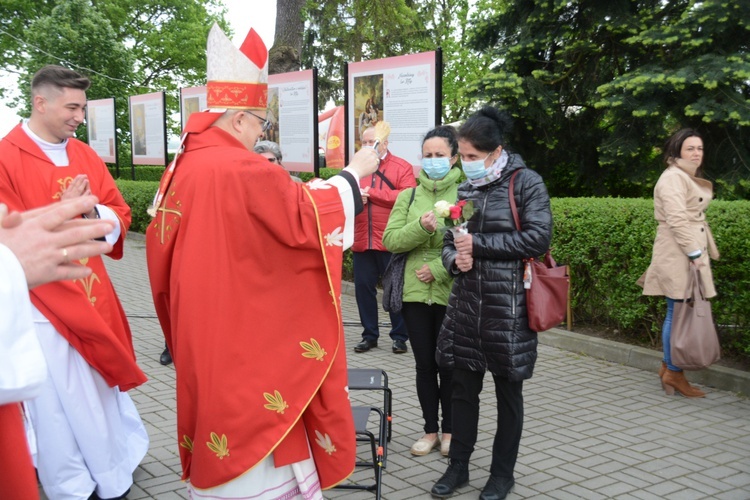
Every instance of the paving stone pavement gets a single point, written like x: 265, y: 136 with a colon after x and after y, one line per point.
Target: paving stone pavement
x: 593, y: 429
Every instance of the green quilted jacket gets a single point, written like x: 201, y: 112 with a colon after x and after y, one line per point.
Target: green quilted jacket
x: 404, y: 233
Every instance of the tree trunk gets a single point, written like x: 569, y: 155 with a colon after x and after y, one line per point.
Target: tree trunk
x: 284, y: 56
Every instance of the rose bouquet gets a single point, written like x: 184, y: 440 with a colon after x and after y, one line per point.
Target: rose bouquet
x: 455, y: 216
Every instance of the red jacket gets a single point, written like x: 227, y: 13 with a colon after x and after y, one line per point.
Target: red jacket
x: 370, y: 224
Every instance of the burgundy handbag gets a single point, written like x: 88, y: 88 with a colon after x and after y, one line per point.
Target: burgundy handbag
x: 546, y: 283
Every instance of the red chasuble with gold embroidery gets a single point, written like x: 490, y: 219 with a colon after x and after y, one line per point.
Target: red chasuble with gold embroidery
x: 87, y: 311
x: 245, y: 269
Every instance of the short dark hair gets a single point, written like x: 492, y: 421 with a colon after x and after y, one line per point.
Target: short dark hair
x: 486, y: 129
x: 58, y: 78
x: 673, y: 146
x: 447, y: 132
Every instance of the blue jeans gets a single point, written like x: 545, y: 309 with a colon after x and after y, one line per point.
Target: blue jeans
x: 369, y: 266
x: 666, y: 335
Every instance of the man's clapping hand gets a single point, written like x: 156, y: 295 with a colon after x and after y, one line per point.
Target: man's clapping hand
x: 48, y: 240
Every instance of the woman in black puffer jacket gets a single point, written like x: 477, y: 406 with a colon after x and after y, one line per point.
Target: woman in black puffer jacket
x: 486, y: 325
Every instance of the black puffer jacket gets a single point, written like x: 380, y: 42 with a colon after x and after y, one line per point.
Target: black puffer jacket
x: 486, y: 325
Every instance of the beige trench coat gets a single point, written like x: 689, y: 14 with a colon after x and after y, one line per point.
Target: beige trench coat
x: 680, y: 202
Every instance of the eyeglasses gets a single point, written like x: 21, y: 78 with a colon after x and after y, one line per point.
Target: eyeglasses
x: 266, y: 123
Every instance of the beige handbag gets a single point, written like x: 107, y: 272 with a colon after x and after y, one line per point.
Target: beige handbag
x: 694, y: 342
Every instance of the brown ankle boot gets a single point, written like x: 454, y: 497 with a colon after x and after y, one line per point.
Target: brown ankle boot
x: 676, y: 381
x: 662, y: 369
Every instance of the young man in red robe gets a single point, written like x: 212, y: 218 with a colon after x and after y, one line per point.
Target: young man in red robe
x: 89, y: 435
x: 245, y: 270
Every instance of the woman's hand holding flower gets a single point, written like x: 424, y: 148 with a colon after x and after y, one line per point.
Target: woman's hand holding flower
x: 464, y: 244
x: 464, y: 262
x: 429, y: 221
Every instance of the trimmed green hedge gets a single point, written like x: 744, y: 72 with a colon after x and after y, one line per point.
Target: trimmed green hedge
x: 142, y: 172
x: 607, y: 244
x: 139, y: 195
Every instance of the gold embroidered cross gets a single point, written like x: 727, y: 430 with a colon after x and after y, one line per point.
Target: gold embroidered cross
x: 162, y: 226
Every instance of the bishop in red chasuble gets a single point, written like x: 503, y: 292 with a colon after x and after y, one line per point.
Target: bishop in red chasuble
x: 245, y: 270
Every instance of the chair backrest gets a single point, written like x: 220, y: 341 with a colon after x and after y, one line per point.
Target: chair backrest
x: 367, y: 378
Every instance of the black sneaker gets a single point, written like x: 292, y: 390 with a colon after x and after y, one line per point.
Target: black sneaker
x: 365, y: 345
x: 497, y: 488
x: 455, y: 477
x: 399, y: 347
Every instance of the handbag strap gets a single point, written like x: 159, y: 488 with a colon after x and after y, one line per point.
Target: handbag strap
x: 692, y: 274
x: 548, y: 260
x: 694, y: 277
x: 512, y: 199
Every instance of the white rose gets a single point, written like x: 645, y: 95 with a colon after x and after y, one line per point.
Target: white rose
x: 442, y: 208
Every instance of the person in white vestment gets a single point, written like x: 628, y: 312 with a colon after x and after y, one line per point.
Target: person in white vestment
x: 35, y: 248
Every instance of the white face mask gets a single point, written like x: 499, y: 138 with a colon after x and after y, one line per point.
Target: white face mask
x: 475, y: 169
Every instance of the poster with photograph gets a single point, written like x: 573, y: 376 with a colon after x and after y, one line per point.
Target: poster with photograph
x: 400, y: 90
x: 148, y: 129
x: 192, y: 99
x: 100, y: 125
x: 292, y: 110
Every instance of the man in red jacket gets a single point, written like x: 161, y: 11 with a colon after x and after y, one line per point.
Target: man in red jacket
x: 379, y: 192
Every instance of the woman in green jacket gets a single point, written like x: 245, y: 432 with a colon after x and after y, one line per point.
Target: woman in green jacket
x: 414, y: 228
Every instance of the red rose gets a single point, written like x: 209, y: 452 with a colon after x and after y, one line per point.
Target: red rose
x: 456, y: 212
x: 461, y: 203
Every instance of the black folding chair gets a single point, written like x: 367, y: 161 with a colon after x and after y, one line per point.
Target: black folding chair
x: 374, y: 379
x: 378, y: 446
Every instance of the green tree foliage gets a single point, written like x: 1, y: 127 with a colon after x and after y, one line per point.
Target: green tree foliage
x: 596, y: 87
x: 60, y: 35
x: 167, y: 38
x: 126, y: 47
x: 343, y: 31
x: 694, y: 71
x: 15, y: 17
x: 447, y: 23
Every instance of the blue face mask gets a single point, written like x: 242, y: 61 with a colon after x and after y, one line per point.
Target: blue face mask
x: 475, y: 169
x: 436, y: 168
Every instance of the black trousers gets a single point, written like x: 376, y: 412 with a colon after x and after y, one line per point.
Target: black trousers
x: 433, y: 383
x: 466, y: 388
x: 369, y: 267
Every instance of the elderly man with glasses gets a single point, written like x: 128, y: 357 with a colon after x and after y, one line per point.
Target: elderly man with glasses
x: 245, y: 269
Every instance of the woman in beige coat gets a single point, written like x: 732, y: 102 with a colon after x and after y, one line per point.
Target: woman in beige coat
x: 683, y: 238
